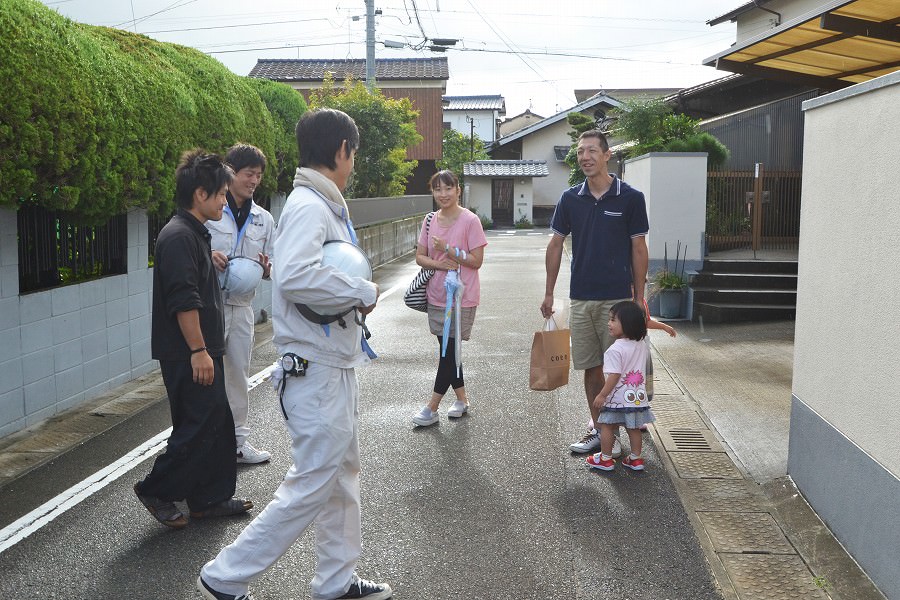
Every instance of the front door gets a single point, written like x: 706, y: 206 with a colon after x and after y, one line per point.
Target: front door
x: 502, y: 202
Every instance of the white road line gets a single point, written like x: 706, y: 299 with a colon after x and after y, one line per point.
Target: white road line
x: 20, y: 529
x: 399, y: 286
x: 33, y: 521
x: 17, y: 531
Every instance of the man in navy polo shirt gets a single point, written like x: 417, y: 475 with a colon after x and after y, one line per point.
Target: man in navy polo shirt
x: 608, y: 222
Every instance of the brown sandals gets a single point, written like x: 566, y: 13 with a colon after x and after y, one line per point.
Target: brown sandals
x: 162, y: 510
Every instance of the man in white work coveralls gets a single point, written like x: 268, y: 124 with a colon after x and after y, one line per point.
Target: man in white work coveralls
x: 319, y: 392
x: 245, y: 230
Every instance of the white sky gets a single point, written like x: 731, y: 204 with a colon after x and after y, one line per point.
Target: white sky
x: 610, y: 44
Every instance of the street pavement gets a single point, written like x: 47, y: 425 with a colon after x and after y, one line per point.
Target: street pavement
x: 490, y: 506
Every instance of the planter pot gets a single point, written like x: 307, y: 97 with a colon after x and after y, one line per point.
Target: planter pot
x: 670, y: 302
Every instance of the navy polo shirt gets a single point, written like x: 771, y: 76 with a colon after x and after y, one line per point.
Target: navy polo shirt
x: 601, y: 238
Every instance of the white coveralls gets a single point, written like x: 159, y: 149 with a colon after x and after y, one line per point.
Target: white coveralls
x: 239, y: 318
x: 321, y: 411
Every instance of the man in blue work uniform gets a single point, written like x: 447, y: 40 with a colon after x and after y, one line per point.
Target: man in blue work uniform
x: 245, y: 232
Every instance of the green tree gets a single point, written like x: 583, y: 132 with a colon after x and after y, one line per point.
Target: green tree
x: 580, y: 123
x: 286, y: 106
x: 653, y: 127
x: 457, y: 150
x: 387, y: 127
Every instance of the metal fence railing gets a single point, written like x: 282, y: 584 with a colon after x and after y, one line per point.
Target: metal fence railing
x: 744, y: 210
x: 55, y: 250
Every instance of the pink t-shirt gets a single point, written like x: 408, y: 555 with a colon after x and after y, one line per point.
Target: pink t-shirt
x: 628, y: 358
x: 466, y: 234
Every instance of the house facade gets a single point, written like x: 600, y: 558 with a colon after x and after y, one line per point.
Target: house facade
x: 548, y: 141
x: 503, y: 190
x: 475, y: 114
x: 422, y: 80
x: 520, y: 121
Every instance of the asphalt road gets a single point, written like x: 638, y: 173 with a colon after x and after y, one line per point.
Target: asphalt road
x: 492, y: 506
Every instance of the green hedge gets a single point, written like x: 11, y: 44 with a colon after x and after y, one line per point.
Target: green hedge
x: 93, y: 119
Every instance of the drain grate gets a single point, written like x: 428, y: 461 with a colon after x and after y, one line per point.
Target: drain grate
x: 721, y: 495
x: 771, y: 577
x: 678, y: 419
x: 689, y: 440
x: 704, y: 465
x: 745, y: 532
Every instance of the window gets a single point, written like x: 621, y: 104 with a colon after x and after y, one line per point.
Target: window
x: 561, y: 152
x: 56, y: 250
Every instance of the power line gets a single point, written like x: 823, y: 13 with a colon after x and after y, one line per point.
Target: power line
x: 288, y: 47
x: 286, y: 22
x: 568, y: 55
x: 172, y: 6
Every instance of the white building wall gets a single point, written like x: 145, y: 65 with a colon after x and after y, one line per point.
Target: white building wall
x: 758, y: 21
x: 843, y: 448
x: 485, y: 123
x: 674, y: 187
x: 479, y: 195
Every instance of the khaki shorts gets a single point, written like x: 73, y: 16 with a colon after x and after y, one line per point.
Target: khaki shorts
x: 588, y: 321
x: 436, y: 321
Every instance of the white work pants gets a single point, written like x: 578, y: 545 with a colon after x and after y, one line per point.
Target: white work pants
x: 321, y: 486
x: 238, y: 345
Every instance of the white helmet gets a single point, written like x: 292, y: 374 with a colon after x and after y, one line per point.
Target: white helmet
x: 241, y: 275
x: 347, y: 258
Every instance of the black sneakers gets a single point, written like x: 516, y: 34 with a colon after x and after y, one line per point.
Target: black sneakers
x: 362, y: 588
x: 211, y: 594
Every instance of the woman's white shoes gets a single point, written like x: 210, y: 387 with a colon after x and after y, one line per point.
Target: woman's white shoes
x: 458, y: 409
x: 425, y: 417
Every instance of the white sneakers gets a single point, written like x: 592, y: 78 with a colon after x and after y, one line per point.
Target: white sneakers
x: 591, y: 443
x: 458, y: 409
x: 247, y: 454
x: 426, y: 416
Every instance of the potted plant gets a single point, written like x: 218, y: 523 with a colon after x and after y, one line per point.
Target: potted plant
x: 670, y: 284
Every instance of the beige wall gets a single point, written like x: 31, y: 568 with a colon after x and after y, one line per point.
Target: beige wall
x: 539, y: 146
x: 478, y: 195
x: 847, y: 344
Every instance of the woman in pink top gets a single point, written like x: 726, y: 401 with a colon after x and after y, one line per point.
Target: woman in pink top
x: 453, y: 241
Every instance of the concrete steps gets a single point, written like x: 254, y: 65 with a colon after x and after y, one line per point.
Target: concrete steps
x: 731, y: 291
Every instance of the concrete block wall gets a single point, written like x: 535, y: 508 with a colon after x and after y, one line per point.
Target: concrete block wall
x: 65, y: 346
x: 70, y: 344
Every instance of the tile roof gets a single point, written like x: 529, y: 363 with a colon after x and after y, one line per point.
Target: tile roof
x: 599, y: 99
x: 475, y: 103
x: 506, y: 168
x: 294, y: 69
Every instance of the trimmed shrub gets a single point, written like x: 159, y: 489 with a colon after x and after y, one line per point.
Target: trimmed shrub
x: 93, y: 119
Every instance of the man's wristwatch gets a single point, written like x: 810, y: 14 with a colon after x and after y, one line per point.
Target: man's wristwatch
x: 200, y: 349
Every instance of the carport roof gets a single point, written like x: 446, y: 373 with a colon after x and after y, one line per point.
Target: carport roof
x: 836, y: 45
x: 506, y: 168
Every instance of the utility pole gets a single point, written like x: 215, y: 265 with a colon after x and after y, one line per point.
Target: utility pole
x: 370, y: 44
x: 471, y: 121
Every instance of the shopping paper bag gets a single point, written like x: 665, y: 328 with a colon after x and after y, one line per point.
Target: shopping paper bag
x: 549, y: 358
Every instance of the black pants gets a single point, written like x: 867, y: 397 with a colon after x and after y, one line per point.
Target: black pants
x: 446, y: 373
x: 199, y: 463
